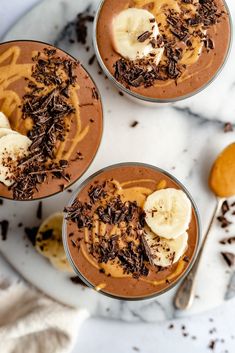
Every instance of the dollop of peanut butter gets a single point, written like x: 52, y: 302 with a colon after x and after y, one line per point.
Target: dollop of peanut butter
x: 222, y: 176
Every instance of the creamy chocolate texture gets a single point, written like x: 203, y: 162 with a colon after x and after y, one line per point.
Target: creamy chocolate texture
x: 104, y: 233
x: 39, y: 83
x: 196, y: 38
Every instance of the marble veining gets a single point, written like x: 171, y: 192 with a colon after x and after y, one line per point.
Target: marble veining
x: 183, y: 138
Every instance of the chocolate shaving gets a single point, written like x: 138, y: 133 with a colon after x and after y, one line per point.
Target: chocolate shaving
x: 228, y: 127
x: 112, y: 211
x: 225, y: 207
x: 47, y: 234
x: 77, y: 280
x: 79, y: 213
x: 96, y: 193
x: 229, y: 258
x: 230, y: 240
x: 91, y: 60
x: 224, y: 223
x: 47, y: 113
x: 39, y: 210
x: 4, y: 229
x: 144, y: 72
x: 81, y: 29
x: 31, y: 234
x: 144, y: 36
x: 135, y: 123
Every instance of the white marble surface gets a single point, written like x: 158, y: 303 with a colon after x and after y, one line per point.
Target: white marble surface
x: 203, y: 137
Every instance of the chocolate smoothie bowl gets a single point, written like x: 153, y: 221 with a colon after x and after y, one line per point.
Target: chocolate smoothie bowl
x: 162, y: 50
x: 131, y: 231
x: 51, y: 120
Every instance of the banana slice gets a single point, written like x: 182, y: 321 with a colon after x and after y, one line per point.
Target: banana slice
x: 168, y: 212
x: 61, y: 264
x: 129, y: 29
x: 12, y: 147
x: 165, y: 252
x: 49, y: 242
x: 4, y: 122
x: 5, y: 131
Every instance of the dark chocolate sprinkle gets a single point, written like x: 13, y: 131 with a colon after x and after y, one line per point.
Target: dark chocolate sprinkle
x: 135, y: 123
x: 4, y: 229
x: 228, y: 127
x: 229, y: 258
x: 31, y: 234
x: 39, y: 210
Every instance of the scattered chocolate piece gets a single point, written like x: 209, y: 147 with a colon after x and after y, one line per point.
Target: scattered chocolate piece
x: 77, y: 280
x: 4, y: 229
x: 230, y: 240
x: 39, y: 210
x: 91, y: 60
x: 31, y: 234
x: 20, y: 225
x: 120, y: 93
x: 228, y: 127
x: 224, y: 223
x: 81, y: 28
x: 212, y: 344
x: 135, y: 123
x: 144, y: 36
x: 229, y: 258
x: 186, y: 259
x: 171, y: 326
x: 1, y: 202
x: 47, y: 234
x: 225, y: 207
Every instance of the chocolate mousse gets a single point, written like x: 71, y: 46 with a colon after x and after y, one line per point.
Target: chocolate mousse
x: 51, y: 114
x: 163, y: 49
x: 131, y: 231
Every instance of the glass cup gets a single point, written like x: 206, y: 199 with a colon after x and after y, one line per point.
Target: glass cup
x: 71, y: 251
x: 23, y: 50
x: 150, y: 101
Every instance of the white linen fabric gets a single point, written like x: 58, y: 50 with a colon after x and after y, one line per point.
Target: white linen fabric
x: 30, y: 322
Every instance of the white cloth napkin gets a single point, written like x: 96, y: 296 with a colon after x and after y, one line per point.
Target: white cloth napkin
x: 30, y: 322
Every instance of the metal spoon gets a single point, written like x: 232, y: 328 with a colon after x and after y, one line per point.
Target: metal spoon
x: 222, y: 184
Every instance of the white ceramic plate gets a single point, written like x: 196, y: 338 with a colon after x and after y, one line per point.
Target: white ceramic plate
x: 171, y: 138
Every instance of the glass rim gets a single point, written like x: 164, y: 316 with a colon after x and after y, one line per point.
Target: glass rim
x: 102, y: 119
x: 151, y: 99
x: 102, y: 291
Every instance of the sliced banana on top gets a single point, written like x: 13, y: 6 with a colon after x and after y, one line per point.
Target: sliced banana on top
x: 164, y: 252
x: 4, y: 122
x: 12, y: 147
x: 168, y: 212
x: 49, y: 242
x: 6, y: 131
x: 130, y: 28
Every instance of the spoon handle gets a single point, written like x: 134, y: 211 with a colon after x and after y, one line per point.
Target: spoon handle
x: 185, y: 294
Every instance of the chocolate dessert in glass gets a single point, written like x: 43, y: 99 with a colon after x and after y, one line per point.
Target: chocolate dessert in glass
x: 162, y: 51
x: 131, y: 231
x: 51, y: 120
